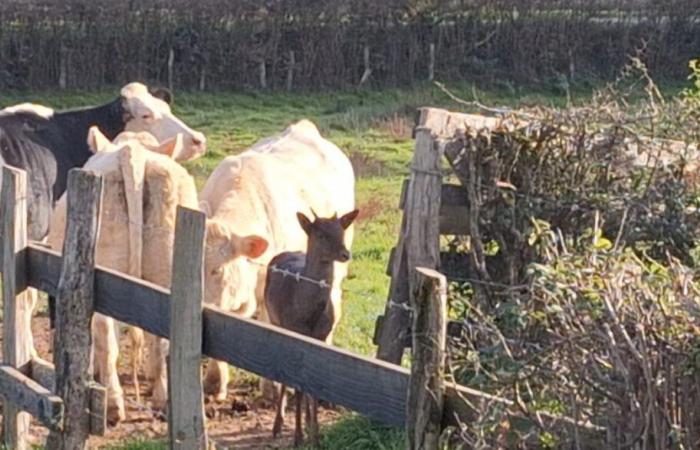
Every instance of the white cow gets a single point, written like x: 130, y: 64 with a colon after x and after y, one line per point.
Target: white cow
x: 142, y: 190
x: 258, y: 193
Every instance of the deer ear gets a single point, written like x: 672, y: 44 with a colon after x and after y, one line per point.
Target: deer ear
x: 348, y: 218
x: 253, y: 246
x: 97, y: 142
x: 304, y: 222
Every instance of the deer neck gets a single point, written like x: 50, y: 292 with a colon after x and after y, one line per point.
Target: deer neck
x: 316, y: 269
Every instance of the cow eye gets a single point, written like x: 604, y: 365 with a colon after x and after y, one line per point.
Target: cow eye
x: 147, y: 116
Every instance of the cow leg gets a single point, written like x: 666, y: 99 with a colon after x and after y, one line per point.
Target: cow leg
x: 158, y: 351
x: 106, y: 353
x: 216, y: 380
x: 268, y: 388
x: 152, y: 369
x: 32, y: 298
x: 137, y: 341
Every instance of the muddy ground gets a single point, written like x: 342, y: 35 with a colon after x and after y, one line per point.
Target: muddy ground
x: 243, y: 421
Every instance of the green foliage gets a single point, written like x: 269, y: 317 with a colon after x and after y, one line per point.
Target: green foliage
x: 358, y: 433
x: 595, y: 315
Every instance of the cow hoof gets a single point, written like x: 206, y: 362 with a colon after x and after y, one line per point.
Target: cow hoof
x: 214, y: 389
x: 269, y: 391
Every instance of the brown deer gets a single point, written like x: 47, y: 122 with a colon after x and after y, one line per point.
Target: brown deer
x: 298, y: 298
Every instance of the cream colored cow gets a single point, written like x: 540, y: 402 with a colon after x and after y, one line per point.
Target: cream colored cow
x: 258, y: 193
x: 142, y: 190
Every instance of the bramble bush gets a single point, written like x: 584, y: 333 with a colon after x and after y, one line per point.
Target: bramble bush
x: 586, y: 308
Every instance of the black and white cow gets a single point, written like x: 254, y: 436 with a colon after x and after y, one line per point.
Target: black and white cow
x: 47, y: 144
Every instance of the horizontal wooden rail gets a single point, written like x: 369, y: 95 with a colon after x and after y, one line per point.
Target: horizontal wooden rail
x: 368, y: 386
x: 28, y: 395
x: 371, y: 387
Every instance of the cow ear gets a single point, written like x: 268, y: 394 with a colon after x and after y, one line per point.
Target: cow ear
x: 171, y: 147
x: 348, y: 218
x: 162, y: 93
x: 253, y: 246
x: 205, y: 207
x: 305, y: 223
x: 97, y: 142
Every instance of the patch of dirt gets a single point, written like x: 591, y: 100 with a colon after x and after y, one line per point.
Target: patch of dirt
x: 397, y: 125
x: 240, y: 422
x: 370, y: 209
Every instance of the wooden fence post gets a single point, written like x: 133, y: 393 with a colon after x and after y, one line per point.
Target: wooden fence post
x: 424, y: 407
x: 368, y: 67
x: 171, y: 63
x: 290, y: 70
x: 262, y: 73
x: 431, y: 63
x: 63, y: 67
x: 419, y: 243
x: 74, y: 308
x: 186, y: 408
x: 17, y: 334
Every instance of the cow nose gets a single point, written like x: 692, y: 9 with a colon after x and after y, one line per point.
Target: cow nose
x: 198, y: 140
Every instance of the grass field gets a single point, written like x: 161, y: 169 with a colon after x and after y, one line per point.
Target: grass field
x: 374, y: 129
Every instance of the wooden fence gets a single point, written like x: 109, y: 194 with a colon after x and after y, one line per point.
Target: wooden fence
x: 59, y: 397
x: 430, y: 208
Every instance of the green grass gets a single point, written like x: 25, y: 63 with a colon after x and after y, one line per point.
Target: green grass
x: 371, y: 127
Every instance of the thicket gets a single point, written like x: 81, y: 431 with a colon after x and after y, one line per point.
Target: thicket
x: 584, y: 299
x: 223, y: 44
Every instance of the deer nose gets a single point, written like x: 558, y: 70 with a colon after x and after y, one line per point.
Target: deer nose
x: 345, y: 256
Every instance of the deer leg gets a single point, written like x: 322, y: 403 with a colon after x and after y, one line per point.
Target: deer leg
x: 313, y: 429
x: 279, y: 417
x: 298, y: 432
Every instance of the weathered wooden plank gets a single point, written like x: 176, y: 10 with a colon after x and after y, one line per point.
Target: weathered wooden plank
x: 454, y: 220
x: 186, y: 411
x: 418, y: 243
x: 98, y: 409
x: 44, y: 373
x: 452, y: 195
x: 423, y: 208
x: 445, y: 123
x: 394, y: 331
x: 373, y: 388
x: 404, y: 192
x: 125, y: 298
x: 74, y: 309
x: 424, y: 407
x: 17, y: 310
x: 28, y: 395
x: 390, y: 263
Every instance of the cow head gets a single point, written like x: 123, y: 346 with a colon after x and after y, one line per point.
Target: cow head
x: 99, y: 143
x: 230, y: 278
x: 149, y: 111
